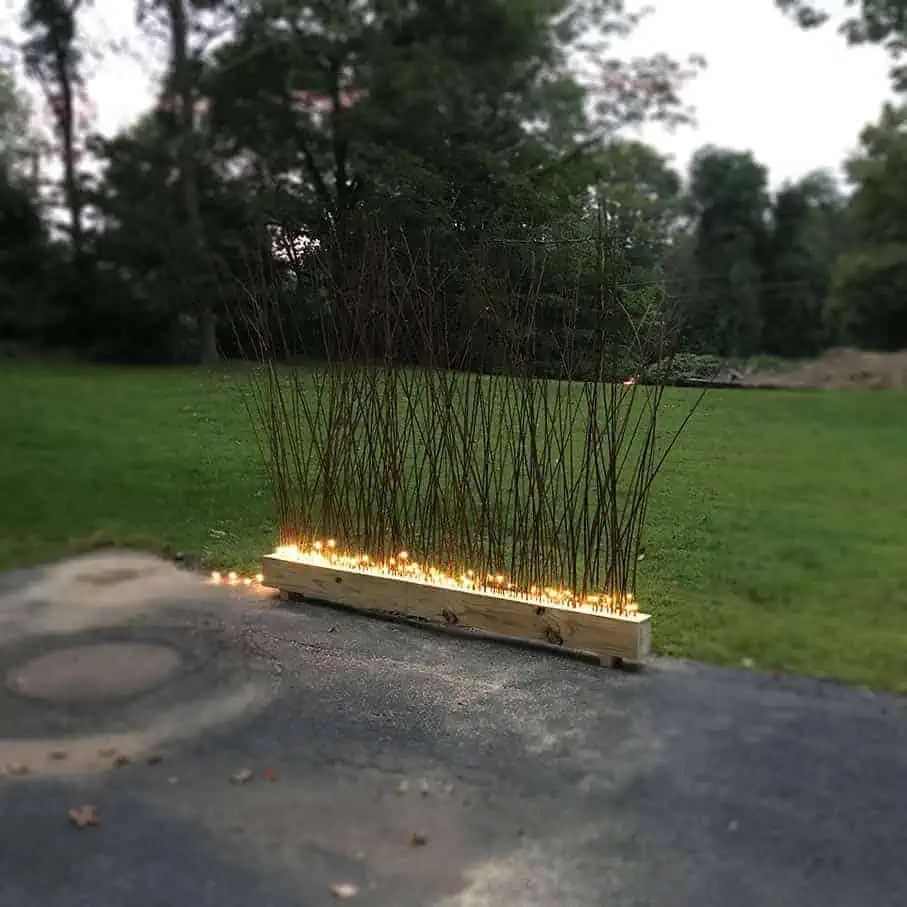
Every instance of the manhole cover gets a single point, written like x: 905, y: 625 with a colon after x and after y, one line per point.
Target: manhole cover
x: 101, y: 670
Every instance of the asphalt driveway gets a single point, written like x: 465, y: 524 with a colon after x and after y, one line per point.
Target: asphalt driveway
x: 395, y: 766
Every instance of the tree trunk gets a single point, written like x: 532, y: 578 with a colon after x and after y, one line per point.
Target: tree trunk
x: 68, y: 136
x: 185, y: 112
x: 208, y: 325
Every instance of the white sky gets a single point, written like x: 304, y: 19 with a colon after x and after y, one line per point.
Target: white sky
x: 796, y: 99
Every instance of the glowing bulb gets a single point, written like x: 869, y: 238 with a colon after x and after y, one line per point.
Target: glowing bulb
x: 231, y: 576
x: 401, y: 566
x: 259, y: 578
x: 215, y: 577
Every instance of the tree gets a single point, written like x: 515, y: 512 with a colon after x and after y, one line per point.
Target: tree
x: 184, y: 20
x: 642, y: 191
x: 53, y: 57
x: 868, y: 301
x: 440, y: 94
x: 23, y: 249
x: 146, y: 306
x: 459, y: 120
x: 18, y: 145
x: 803, y: 243
x: 730, y: 203
x: 24, y: 243
x: 461, y: 129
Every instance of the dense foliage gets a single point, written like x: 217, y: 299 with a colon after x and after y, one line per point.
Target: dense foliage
x: 465, y: 142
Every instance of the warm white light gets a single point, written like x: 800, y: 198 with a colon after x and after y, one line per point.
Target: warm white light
x: 252, y: 583
x: 402, y: 567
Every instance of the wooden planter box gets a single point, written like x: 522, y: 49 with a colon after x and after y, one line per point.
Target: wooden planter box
x: 609, y: 637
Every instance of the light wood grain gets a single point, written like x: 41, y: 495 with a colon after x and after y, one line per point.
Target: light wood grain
x: 608, y: 636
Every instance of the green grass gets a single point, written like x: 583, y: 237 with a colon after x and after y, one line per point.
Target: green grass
x: 777, y: 533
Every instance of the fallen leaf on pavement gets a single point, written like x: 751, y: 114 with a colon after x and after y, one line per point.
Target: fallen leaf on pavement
x: 344, y: 891
x: 17, y: 768
x: 418, y: 840
x: 121, y: 760
x: 402, y: 787
x: 243, y: 777
x: 57, y: 755
x: 269, y: 774
x: 155, y: 759
x: 84, y: 816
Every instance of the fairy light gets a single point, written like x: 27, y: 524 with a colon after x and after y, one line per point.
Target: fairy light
x: 253, y: 582
x: 402, y: 566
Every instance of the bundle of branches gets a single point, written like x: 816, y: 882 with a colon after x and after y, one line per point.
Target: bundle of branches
x: 459, y: 404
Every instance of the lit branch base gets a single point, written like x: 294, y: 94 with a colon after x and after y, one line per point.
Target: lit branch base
x: 608, y: 636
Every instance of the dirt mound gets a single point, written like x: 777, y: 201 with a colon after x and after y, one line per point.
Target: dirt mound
x: 840, y: 368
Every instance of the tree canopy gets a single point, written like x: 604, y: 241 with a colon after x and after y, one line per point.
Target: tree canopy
x: 480, y: 143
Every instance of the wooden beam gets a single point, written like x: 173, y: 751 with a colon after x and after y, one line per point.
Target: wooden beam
x: 608, y: 636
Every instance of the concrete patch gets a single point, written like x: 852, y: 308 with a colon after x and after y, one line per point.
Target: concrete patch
x: 98, y: 671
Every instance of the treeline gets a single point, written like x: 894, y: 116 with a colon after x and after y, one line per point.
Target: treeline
x: 333, y: 155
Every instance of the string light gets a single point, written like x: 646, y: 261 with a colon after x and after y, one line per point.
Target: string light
x: 253, y: 583
x: 401, y: 566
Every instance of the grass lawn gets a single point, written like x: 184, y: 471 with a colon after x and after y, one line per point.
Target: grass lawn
x: 777, y: 533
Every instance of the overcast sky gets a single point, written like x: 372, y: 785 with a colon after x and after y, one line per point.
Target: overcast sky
x: 796, y: 99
